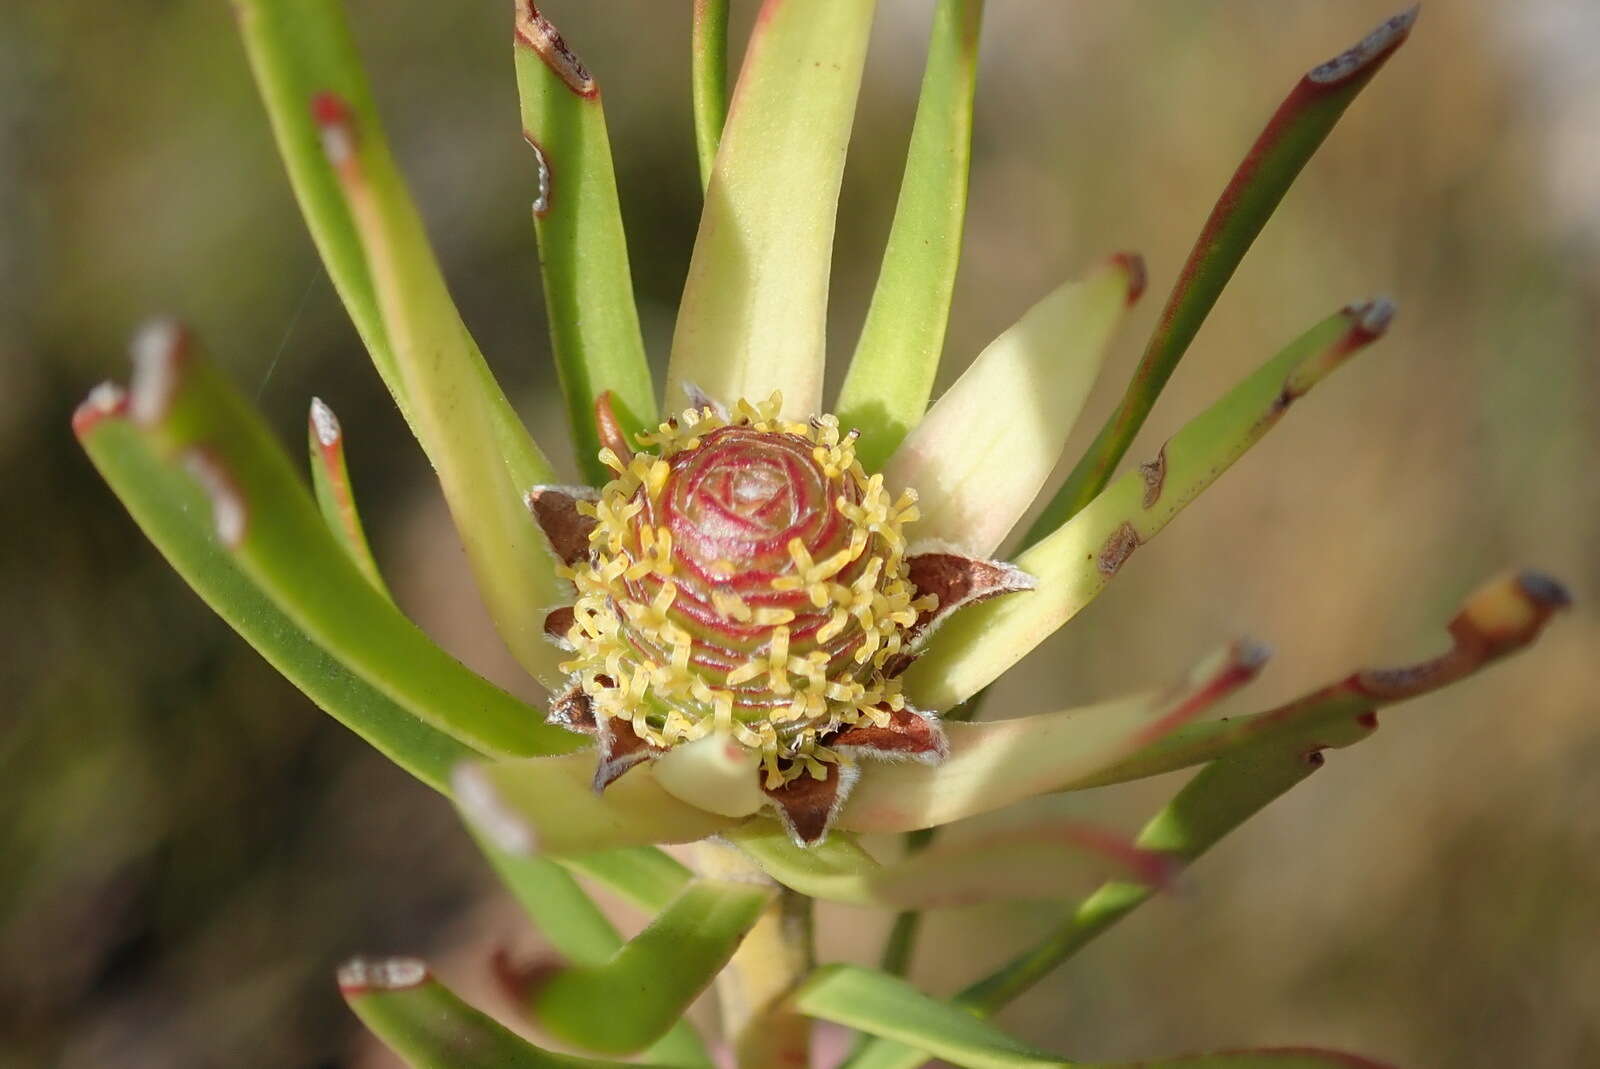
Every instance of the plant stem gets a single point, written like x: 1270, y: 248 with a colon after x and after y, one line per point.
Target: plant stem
x: 902, y: 939
x: 757, y: 1024
x: 1223, y: 796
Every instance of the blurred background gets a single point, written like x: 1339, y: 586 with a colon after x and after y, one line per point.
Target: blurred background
x: 187, y: 847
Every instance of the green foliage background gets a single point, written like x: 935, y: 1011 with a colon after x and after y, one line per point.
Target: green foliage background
x: 188, y: 847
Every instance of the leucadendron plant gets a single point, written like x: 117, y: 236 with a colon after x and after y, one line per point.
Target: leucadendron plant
x: 763, y: 620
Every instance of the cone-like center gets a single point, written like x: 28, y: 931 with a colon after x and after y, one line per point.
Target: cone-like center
x: 749, y: 578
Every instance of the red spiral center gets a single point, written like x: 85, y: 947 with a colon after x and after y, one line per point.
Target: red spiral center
x: 733, y: 505
x: 742, y: 496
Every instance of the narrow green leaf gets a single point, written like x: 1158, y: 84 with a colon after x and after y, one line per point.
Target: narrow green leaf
x: 1221, y: 797
x: 174, y: 514
x: 553, y: 900
x: 583, y: 252
x: 897, y: 355
x: 889, y: 1007
x: 911, y: 1026
x: 452, y: 409
x: 979, y: 459
x: 629, y: 1001
x: 644, y: 876
x: 1076, y: 562
x: 1501, y: 617
x: 1273, y: 1058
x: 263, y: 514
x: 578, y: 931
x: 1291, y: 136
x: 755, y: 304
x: 708, y: 76
x: 1284, y: 748
x: 551, y: 806
x: 428, y: 1026
x: 999, y: 763
x: 299, y: 49
x: 1045, y: 860
x: 331, y: 480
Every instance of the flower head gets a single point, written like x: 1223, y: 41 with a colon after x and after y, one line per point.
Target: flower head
x: 747, y: 580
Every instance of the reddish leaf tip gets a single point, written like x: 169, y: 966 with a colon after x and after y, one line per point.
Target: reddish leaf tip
x: 1509, y: 612
x: 1138, y: 275
x: 535, y: 31
x: 520, y: 979
x: 1251, y: 655
x: 1367, y: 53
x: 1544, y: 590
x: 159, y: 349
x: 1370, y: 319
x: 105, y: 400
x: 324, y: 424
x: 360, y: 976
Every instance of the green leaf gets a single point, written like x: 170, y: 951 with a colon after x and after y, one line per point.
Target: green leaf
x: 1076, y: 562
x: 568, y: 918
x: 299, y: 49
x: 999, y: 763
x: 621, y: 1005
x: 1291, y: 136
x: 912, y: 1026
x: 889, y: 1007
x: 755, y: 303
x: 428, y: 1026
x: 979, y: 459
x: 708, y: 77
x: 1052, y: 859
x: 1276, y: 1058
x: 1279, y: 748
x: 1502, y: 616
x: 583, y: 252
x: 897, y: 355
x: 553, y: 900
x: 451, y: 408
x: 551, y: 806
x: 1220, y: 798
x: 174, y: 514
x: 644, y: 876
x: 262, y: 513
x: 331, y: 480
